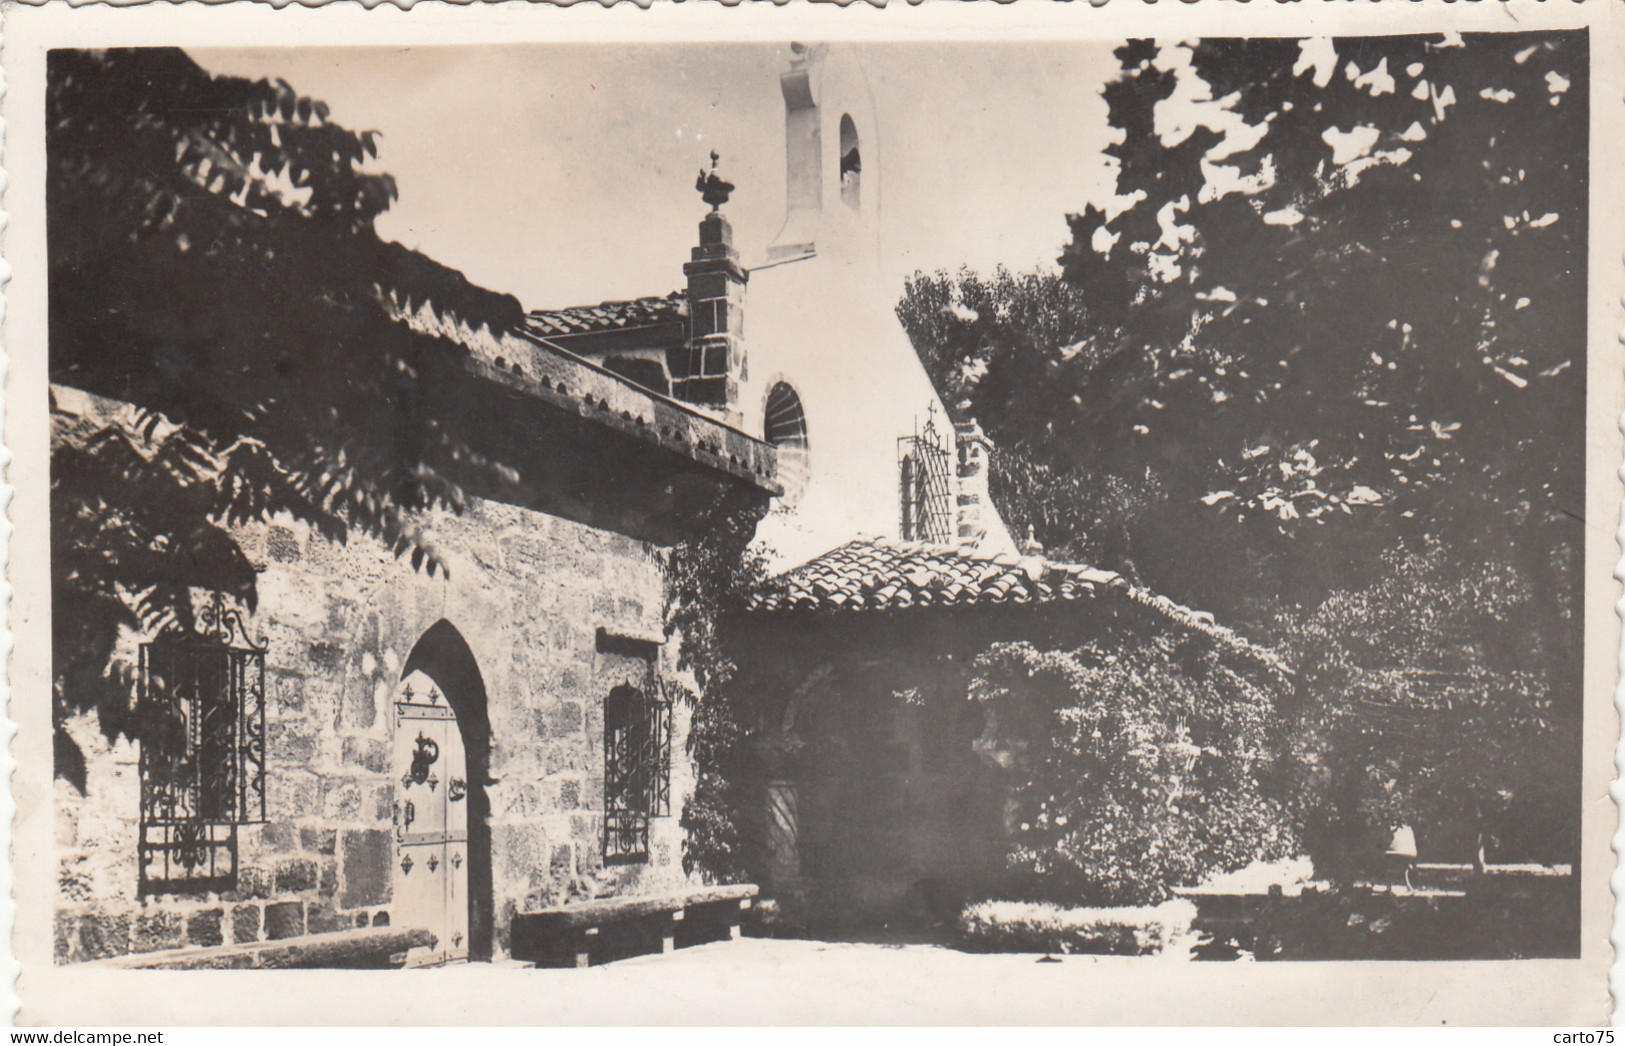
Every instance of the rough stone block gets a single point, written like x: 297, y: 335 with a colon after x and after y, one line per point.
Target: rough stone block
x: 560, y: 720
x: 329, y: 884
x: 103, y: 936
x: 296, y: 876
x: 279, y: 836
x: 322, y: 918
x: 524, y: 556
x: 284, y: 919
x: 64, y: 941
x: 366, y: 858
x: 254, y: 882
x: 245, y: 923
x: 679, y: 362
x: 703, y: 318
x: 341, y: 617
x: 517, y: 851
x: 342, y: 801
x: 367, y: 753
x: 707, y: 285
x: 282, y: 545
x: 383, y: 803
x: 570, y: 795
x: 360, y: 709
x: 326, y: 656
x: 293, y: 794
x: 318, y: 840
x: 203, y: 928
x: 288, y: 748
x: 155, y: 930
x: 287, y: 690
x: 561, y: 865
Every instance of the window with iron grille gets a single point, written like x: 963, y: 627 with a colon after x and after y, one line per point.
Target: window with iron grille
x: 925, y: 491
x: 637, y: 772
x: 202, y: 709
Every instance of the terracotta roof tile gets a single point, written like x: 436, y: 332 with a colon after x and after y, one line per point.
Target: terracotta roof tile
x: 605, y: 316
x: 879, y: 574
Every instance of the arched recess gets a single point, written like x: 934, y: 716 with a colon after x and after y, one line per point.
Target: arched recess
x: 851, y: 163
x: 443, y: 655
x: 785, y: 426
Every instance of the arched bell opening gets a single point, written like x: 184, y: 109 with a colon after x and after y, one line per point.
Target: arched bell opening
x: 851, y: 163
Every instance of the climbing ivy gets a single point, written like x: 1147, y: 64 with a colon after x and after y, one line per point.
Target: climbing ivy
x: 710, y: 575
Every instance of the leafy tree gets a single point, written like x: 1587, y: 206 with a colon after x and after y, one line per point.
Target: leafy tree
x: 1364, y: 329
x: 1435, y: 653
x: 1327, y: 343
x: 213, y: 265
x: 1139, y: 767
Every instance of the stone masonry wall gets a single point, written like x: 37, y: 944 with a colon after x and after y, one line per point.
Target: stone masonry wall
x: 527, y: 592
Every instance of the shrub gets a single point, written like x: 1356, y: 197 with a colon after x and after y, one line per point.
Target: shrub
x: 1137, y: 763
x: 1015, y: 926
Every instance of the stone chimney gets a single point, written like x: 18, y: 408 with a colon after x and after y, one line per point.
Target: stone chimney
x: 708, y: 373
x: 971, y: 496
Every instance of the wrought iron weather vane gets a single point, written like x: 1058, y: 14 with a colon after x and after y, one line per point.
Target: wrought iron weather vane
x: 711, y: 186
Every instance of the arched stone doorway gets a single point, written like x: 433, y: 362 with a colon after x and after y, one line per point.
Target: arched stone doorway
x: 442, y: 751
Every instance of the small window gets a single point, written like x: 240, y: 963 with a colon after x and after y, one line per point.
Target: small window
x: 925, y: 492
x: 202, y: 764
x: 786, y: 428
x: 637, y: 772
x: 851, y: 163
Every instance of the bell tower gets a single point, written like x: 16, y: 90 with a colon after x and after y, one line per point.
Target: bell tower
x: 832, y: 186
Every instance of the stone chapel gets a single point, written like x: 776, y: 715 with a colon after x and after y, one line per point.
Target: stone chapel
x: 377, y: 766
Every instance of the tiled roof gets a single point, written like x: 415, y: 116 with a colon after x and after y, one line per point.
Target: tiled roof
x: 880, y: 575
x: 584, y: 388
x: 607, y: 316
x: 870, y: 574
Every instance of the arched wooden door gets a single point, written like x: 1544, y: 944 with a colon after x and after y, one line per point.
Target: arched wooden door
x: 431, y: 821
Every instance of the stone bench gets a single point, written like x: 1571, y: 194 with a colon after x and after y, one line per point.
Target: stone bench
x: 373, y: 948
x: 574, y: 934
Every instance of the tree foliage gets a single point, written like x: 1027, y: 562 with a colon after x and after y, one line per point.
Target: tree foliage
x: 1425, y: 702
x: 1352, y: 316
x: 213, y: 264
x: 1141, y: 767
x: 1326, y: 347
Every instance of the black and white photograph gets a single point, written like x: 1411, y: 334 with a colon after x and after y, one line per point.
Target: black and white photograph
x: 682, y: 518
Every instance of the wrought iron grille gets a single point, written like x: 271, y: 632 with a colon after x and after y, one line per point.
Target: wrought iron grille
x: 202, y: 709
x: 637, y: 772
x: 926, y: 493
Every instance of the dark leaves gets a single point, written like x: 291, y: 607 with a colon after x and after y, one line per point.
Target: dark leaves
x: 213, y: 264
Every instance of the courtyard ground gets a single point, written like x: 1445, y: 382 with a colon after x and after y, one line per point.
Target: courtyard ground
x: 787, y: 982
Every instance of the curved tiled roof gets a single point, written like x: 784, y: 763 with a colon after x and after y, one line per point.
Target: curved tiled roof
x: 582, y: 387
x: 606, y: 316
x: 878, y: 574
